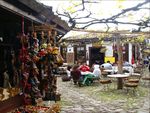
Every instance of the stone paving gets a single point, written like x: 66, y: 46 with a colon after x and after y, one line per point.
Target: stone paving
x: 76, y: 99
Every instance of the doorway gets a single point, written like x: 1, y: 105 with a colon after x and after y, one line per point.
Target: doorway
x: 96, y: 55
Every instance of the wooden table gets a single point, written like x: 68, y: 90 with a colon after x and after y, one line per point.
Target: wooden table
x: 86, y: 72
x: 136, y: 74
x: 110, y: 70
x: 119, y: 77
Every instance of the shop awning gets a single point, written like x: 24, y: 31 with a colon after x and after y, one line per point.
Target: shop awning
x: 33, y: 10
x: 18, y: 11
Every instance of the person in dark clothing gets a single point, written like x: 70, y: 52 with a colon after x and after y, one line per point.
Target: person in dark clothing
x: 75, y: 74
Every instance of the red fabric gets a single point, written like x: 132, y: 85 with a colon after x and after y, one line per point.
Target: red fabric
x: 132, y: 60
x: 84, y: 68
x: 24, y: 56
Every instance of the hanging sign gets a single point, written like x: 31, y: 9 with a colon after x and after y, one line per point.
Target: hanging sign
x: 69, y: 49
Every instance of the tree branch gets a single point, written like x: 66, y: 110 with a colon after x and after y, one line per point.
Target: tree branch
x: 86, y: 16
x: 113, y: 19
x: 83, y: 6
x: 135, y: 8
x: 107, y: 27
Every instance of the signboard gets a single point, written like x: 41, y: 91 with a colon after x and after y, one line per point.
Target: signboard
x: 111, y: 59
x: 70, y: 50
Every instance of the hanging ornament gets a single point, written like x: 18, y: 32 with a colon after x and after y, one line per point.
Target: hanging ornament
x: 49, y: 48
x: 55, y: 51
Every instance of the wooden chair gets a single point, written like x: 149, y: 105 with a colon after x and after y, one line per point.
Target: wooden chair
x: 104, y: 74
x: 146, y: 81
x: 132, y: 83
x: 138, y: 70
x: 131, y: 86
x: 134, y: 79
x: 105, y: 83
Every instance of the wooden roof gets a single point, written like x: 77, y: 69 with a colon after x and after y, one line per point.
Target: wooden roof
x: 107, y: 35
x: 93, y: 37
x: 37, y: 12
x: 82, y: 41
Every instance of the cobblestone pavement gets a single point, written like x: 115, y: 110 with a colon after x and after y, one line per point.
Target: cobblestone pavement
x: 76, y: 99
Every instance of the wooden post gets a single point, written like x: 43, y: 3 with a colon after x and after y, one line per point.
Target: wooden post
x: 120, y: 61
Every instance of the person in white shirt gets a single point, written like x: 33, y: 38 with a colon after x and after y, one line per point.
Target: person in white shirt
x: 96, y: 70
x: 68, y: 71
x: 107, y: 65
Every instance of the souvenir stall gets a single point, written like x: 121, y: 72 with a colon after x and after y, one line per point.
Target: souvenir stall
x: 29, y: 58
x: 38, y: 59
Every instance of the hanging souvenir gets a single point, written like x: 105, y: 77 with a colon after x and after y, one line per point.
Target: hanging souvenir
x: 35, y: 42
x: 49, y: 48
x: 55, y: 51
x: 42, y: 53
x: 43, y: 39
x: 59, y: 60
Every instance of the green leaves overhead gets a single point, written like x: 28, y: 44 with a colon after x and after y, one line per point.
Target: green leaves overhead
x: 136, y: 39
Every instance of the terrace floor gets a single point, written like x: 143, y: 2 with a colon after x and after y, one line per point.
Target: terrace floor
x: 93, y: 99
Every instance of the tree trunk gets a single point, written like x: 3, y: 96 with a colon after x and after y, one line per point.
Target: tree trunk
x: 120, y: 61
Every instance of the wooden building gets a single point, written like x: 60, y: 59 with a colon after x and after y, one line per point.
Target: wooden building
x: 99, y: 47
x: 16, y: 16
x: 85, y: 48
x: 21, y: 17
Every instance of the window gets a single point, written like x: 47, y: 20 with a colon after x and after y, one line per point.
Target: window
x: 81, y: 54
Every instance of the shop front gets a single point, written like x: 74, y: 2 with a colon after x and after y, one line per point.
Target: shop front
x: 29, y: 54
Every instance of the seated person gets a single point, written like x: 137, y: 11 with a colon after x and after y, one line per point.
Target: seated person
x: 107, y: 65
x: 97, y: 72
x: 102, y: 68
x: 95, y: 65
x: 75, y: 74
x: 84, y: 67
x: 127, y: 64
x: 127, y: 67
x: 68, y: 71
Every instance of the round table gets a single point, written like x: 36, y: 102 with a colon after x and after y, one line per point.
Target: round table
x: 136, y: 74
x: 86, y: 72
x: 119, y: 77
x: 108, y: 70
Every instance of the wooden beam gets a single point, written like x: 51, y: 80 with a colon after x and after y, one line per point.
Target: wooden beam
x: 17, y: 11
x: 111, y: 32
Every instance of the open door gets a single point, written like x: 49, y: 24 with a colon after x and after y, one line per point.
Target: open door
x: 96, y: 55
